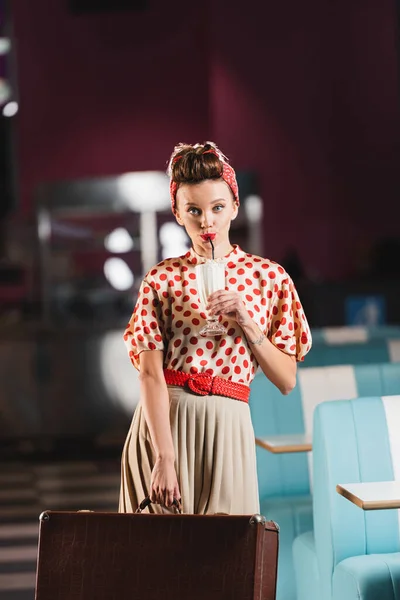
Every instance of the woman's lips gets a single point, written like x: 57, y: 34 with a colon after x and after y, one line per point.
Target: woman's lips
x: 208, y: 236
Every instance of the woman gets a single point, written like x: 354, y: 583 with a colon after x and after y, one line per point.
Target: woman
x: 191, y: 436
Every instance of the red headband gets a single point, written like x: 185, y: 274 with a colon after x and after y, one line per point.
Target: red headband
x: 228, y: 175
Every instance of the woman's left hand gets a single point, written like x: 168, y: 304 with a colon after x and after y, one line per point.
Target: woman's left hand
x: 229, y: 303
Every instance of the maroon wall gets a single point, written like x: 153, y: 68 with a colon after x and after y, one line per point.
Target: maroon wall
x: 104, y: 94
x: 308, y: 97
x: 313, y: 94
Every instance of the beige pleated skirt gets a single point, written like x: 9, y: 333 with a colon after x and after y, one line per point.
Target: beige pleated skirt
x: 215, y: 456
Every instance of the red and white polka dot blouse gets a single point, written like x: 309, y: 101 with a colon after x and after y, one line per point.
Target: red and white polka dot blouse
x: 168, y: 316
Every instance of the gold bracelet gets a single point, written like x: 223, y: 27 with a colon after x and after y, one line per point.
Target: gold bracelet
x: 259, y: 340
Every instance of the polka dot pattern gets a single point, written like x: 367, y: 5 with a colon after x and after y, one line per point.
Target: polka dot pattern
x: 168, y: 316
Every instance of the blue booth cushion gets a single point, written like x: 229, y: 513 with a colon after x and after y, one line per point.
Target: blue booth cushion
x: 283, y: 477
x: 306, y: 567
x: 355, y: 441
x: 368, y: 577
x: 293, y: 514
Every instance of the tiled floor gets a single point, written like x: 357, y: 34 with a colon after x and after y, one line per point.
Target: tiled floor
x: 26, y: 490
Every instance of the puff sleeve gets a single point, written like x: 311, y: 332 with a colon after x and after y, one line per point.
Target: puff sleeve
x: 289, y: 330
x: 145, y: 330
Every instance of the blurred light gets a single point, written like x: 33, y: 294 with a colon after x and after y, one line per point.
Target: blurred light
x: 145, y: 191
x: 173, y: 240
x: 148, y: 239
x: 118, y: 274
x: 120, y: 378
x: 118, y: 240
x: 253, y: 207
x: 5, y: 45
x: 10, y: 109
x: 70, y: 230
x: 368, y: 314
x: 44, y: 225
x: 5, y: 91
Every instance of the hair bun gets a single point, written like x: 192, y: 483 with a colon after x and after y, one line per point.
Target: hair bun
x: 184, y: 150
x: 198, y: 162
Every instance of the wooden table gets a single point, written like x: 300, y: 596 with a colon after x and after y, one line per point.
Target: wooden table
x: 284, y: 444
x: 372, y: 495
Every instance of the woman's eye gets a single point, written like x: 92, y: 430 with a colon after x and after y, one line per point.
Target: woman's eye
x: 194, y: 211
x: 218, y: 207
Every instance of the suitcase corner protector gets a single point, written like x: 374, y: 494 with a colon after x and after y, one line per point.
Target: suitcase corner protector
x: 257, y: 519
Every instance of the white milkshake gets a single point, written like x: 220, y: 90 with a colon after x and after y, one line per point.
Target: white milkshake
x: 210, y: 278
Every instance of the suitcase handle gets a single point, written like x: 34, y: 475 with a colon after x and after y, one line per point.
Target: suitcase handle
x: 146, y: 502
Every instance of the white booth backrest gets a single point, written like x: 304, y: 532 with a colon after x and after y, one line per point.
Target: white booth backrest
x: 318, y: 385
x: 394, y: 350
x: 345, y: 335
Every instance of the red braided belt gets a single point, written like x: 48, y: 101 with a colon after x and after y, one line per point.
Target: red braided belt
x: 204, y: 385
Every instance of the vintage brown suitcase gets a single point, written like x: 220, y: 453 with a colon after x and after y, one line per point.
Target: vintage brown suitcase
x: 111, y: 556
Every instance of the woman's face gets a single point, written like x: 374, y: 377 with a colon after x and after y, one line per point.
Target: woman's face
x: 204, y: 208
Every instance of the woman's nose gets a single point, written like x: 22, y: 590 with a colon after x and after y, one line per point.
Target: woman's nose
x: 207, y: 220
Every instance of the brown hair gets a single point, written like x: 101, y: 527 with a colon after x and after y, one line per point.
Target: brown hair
x: 192, y: 164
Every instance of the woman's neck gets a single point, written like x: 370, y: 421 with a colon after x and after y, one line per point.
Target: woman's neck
x: 206, y: 251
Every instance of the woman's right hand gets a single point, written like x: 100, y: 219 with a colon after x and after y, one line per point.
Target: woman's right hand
x: 164, y: 485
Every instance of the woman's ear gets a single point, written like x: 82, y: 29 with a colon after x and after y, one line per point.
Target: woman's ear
x: 178, y: 218
x: 236, y: 210
x: 176, y: 211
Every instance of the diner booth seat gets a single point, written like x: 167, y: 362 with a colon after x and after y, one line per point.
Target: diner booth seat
x: 284, y: 479
x: 352, y: 554
x: 353, y: 345
x: 376, y: 351
x: 353, y: 334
